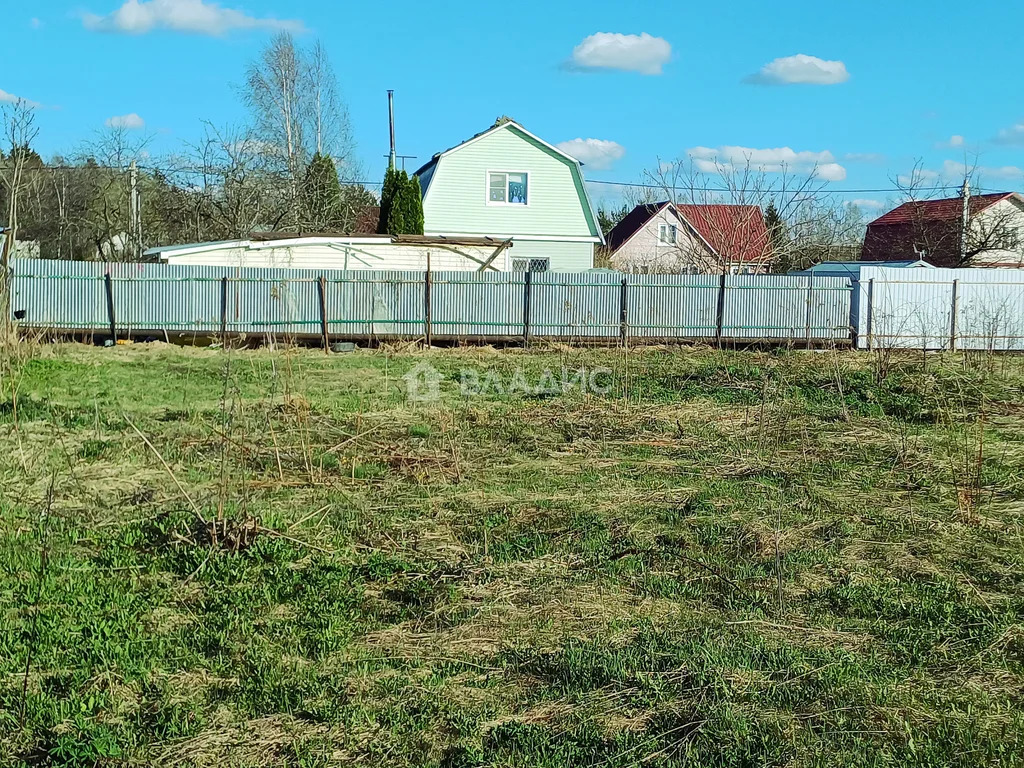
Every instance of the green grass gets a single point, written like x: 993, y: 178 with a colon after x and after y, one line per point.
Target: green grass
x: 727, y: 559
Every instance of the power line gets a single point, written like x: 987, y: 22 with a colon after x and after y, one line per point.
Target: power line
x: 824, y: 191
x: 158, y: 169
x: 632, y: 184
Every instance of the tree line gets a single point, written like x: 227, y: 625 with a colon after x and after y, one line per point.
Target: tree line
x: 290, y: 168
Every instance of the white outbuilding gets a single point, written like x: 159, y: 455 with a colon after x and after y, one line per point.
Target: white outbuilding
x: 348, y: 252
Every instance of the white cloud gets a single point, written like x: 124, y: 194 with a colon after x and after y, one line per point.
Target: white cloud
x: 130, y: 122
x: 952, y: 174
x: 35, y: 23
x: 137, y: 17
x: 599, y: 154
x: 801, y: 68
x: 864, y: 202
x: 642, y: 53
x: 10, y: 98
x: 778, y: 160
x: 956, y: 140
x: 1012, y: 135
x: 958, y: 171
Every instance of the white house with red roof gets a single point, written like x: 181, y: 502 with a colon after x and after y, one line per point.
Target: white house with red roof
x: 670, y: 238
x: 933, y: 230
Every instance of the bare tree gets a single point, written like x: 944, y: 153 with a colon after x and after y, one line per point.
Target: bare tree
x: 939, y: 232
x: 328, y: 114
x: 276, y: 93
x: 19, y: 123
x: 812, y: 225
x: 229, y: 185
x: 297, y: 112
x: 102, y: 175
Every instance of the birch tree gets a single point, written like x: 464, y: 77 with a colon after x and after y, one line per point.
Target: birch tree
x: 297, y: 111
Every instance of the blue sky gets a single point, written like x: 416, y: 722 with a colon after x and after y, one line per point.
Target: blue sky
x: 889, y: 82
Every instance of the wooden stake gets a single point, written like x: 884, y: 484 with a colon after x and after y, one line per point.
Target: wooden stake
x: 324, y: 330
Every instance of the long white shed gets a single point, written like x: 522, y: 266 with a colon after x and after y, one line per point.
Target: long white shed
x: 349, y: 252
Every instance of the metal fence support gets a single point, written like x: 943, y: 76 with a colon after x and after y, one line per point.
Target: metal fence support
x: 954, y: 310
x: 720, y: 310
x: 623, y: 314
x: 428, y: 281
x: 109, y: 285
x: 527, y: 298
x: 324, y: 329
x: 224, y: 311
x: 810, y: 304
x: 871, y: 313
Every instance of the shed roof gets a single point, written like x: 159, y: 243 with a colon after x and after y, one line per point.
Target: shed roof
x: 854, y: 267
x: 286, y: 239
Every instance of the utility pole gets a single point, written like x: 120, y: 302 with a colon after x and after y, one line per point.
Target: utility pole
x: 134, y: 213
x: 965, y: 220
x: 391, y: 125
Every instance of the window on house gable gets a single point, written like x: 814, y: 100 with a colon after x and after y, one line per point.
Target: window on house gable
x: 505, y: 187
x: 667, y: 234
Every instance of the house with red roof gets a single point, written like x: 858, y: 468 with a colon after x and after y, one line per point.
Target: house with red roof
x: 671, y: 238
x: 933, y: 230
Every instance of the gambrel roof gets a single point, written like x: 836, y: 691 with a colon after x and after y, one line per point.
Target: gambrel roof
x: 427, y: 170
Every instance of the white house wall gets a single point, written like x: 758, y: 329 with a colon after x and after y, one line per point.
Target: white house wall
x: 644, y: 252
x: 1011, y: 216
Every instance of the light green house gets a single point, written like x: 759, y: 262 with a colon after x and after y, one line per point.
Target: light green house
x: 506, y: 183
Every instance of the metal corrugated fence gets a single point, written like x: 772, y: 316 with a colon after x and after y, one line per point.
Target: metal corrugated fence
x: 940, y: 309
x: 143, y: 299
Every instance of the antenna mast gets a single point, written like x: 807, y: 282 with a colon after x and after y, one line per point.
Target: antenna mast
x: 391, y: 124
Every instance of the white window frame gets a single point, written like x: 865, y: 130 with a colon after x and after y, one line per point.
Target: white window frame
x: 487, y: 189
x: 662, y: 227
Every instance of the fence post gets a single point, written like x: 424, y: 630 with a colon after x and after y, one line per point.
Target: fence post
x: 810, y: 301
x: 623, y: 315
x: 109, y: 285
x: 871, y: 313
x: 224, y: 311
x: 324, y: 330
x: 720, y: 310
x: 952, y: 315
x: 527, y: 290
x: 427, y: 284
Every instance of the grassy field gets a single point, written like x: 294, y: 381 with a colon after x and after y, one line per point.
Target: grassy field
x: 255, y: 558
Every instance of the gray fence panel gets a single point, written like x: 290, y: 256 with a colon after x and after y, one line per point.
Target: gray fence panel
x: 477, y: 304
x: 765, y: 307
x: 376, y: 304
x: 54, y: 294
x: 570, y: 305
x: 830, y: 307
x: 673, y: 306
